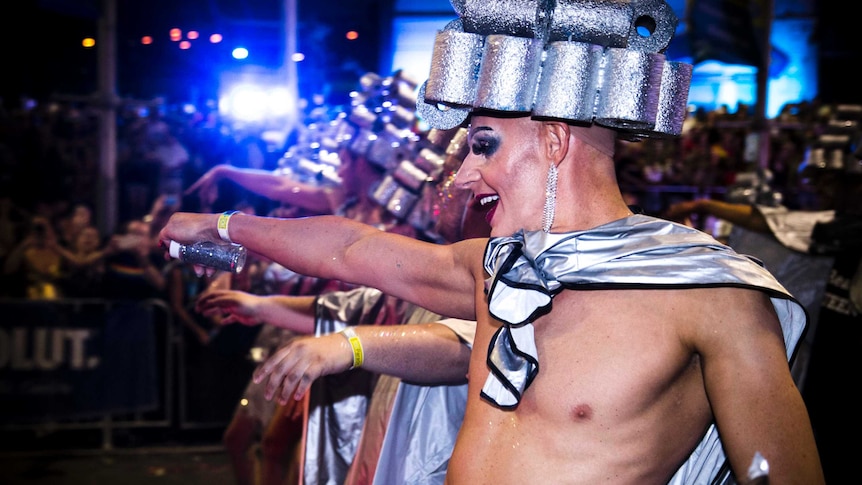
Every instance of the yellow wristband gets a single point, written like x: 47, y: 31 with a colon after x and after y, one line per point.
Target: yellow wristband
x: 223, y: 221
x: 355, y: 345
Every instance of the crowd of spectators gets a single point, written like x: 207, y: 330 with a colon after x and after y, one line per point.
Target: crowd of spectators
x: 50, y: 247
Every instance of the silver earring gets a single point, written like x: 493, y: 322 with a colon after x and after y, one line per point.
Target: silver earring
x: 550, y: 199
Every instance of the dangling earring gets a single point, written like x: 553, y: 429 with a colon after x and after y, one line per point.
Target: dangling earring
x: 550, y: 199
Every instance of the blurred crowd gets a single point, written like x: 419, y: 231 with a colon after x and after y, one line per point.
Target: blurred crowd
x: 50, y: 246
x: 372, y: 161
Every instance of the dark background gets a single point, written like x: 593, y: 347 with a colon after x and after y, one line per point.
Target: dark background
x: 43, y: 56
x: 42, y: 53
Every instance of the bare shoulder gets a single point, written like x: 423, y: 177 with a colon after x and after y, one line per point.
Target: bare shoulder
x: 471, y: 251
x: 725, y: 316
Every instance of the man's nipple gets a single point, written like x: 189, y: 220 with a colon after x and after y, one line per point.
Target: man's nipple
x: 582, y: 412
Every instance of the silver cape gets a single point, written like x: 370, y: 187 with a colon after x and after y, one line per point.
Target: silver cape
x: 529, y: 268
x: 363, y: 427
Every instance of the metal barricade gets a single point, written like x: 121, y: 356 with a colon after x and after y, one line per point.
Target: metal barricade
x: 78, y: 364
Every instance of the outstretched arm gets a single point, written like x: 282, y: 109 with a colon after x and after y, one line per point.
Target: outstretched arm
x: 295, y: 313
x: 424, y: 353
x: 441, y: 278
x: 742, y: 215
x: 271, y: 185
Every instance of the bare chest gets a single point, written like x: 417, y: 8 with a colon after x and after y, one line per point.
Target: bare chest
x: 607, y: 357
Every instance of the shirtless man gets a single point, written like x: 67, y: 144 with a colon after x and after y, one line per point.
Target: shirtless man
x: 619, y: 346
x: 630, y: 378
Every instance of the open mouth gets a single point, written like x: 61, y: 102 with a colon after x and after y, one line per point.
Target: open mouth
x: 488, y: 203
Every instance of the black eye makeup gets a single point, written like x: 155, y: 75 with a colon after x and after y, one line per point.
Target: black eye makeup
x: 484, y: 144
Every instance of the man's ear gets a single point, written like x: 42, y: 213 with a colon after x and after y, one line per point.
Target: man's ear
x: 556, y: 139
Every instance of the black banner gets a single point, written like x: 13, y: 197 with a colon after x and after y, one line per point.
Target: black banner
x: 74, y: 360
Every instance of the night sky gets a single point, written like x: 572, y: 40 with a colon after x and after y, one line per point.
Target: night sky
x: 43, y: 57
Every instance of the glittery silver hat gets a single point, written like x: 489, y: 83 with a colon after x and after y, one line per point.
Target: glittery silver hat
x: 587, y: 61
x: 378, y: 125
x: 417, y: 169
x: 417, y: 191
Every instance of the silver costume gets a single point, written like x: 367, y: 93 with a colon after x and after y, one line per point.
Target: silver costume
x: 421, y: 422
x: 529, y: 268
x: 363, y: 427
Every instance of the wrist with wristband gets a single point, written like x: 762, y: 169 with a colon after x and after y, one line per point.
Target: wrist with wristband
x: 222, y: 225
x: 355, y: 347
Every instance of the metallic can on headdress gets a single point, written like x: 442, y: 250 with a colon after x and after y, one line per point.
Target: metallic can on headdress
x: 587, y: 61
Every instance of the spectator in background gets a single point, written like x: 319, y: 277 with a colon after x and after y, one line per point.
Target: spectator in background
x: 84, y: 264
x: 171, y: 157
x: 14, y: 223
x: 134, y: 268
x: 36, y: 263
x: 79, y: 217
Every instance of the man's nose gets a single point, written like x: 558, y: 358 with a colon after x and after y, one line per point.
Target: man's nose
x: 466, y: 174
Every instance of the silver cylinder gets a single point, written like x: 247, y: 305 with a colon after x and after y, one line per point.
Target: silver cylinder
x: 629, y: 89
x: 454, y: 66
x: 508, y: 74
x: 568, y: 82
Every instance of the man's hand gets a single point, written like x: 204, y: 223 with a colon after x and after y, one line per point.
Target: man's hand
x: 207, y: 186
x: 234, y: 306
x: 292, y: 368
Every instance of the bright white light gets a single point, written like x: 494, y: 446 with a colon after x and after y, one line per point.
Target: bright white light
x: 250, y: 102
x: 240, y: 53
x: 279, y: 102
x: 246, y: 102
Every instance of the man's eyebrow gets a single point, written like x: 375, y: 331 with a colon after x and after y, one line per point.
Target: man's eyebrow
x: 473, y: 131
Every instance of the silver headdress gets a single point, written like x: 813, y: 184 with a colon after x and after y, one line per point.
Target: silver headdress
x: 416, y: 168
x: 588, y: 61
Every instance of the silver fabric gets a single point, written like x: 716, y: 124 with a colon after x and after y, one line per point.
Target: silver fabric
x: 362, y: 427
x: 338, y: 403
x: 430, y: 162
x: 517, y: 18
x: 411, y: 176
x: 385, y: 189
x: 422, y: 427
x: 455, y: 67
x: 794, y: 228
x: 644, y: 11
x: 528, y: 269
x: 512, y: 56
x: 421, y: 434
x: 600, y: 22
x: 672, y: 98
x: 401, y: 202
